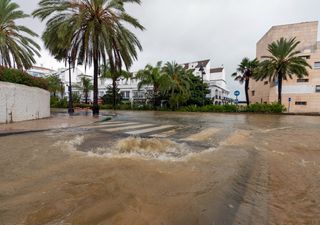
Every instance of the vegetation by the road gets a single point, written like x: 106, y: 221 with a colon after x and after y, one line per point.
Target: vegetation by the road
x: 20, y: 77
x: 246, y: 71
x: 17, y: 47
x: 283, y: 64
x: 90, y: 32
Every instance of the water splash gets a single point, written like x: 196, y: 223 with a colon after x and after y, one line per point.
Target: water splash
x: 137, y: 148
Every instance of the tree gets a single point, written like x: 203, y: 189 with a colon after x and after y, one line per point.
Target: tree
x: 246, y: 70
x: 283, y: 63
x: 151, y: 76
x: 85, y: 86
x: 176, y: 83
x: 108, y: 98
x: 90, y: 32
x: 107, y: 73
x: 16, y: 46
x: 198, y: 91
x: 55, y: 84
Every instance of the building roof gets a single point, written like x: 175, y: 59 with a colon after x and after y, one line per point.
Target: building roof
x: 41, y: 68
x: 216, y: 70
x: 202, y: 63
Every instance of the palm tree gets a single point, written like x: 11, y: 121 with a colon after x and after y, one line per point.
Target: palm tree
x: 91, y: 32
x: 17, y: 49
x: 55, y: 84
x: 176, y: 82
x: 245, y: 71
x: 151, y: 76
x: 283, y: 63
x: 107, y: 73
x: 85, y: 86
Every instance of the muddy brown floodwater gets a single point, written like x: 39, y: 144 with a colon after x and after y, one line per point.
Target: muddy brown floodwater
x: 204, y: 169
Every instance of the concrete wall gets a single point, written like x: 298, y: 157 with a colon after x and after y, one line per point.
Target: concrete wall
x: 20, y: 102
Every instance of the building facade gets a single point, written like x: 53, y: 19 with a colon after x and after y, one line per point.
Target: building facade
x: 214, y: 77
x: 303, y: 93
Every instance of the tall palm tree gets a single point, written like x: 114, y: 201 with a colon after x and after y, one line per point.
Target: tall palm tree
x: 283, y: 63
x: 176, y: 82
x: 17, y: 49
x: 85, y: 86
x: 151, y: 76
x: 245, y: 72
x: 91, y: 32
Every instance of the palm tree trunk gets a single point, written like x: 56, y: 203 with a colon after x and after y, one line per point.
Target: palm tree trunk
x: 114, y: 87
x: 86, y: 97
x: 95, y: 107
x: 247, y: 90
x: 154, y: 96
x: 280, y: 78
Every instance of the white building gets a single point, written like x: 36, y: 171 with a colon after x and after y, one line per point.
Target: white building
x: 39, y: 71
x: 214, y: 77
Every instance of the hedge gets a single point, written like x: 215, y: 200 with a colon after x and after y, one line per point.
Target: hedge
x: 254, y: 108
x: 21, y: 77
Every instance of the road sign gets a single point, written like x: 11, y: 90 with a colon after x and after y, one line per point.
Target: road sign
x: 236, y: 101
x: 237, y: 93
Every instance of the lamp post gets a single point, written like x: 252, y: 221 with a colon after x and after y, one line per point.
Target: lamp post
x: 202, y: 74
x: 70, y: 105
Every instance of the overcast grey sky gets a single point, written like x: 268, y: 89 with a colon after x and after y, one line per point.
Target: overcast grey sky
x: 224, y: 31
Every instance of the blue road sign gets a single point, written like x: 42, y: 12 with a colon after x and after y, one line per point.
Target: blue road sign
x: 237, y: 93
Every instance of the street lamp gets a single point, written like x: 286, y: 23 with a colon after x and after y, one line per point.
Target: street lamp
x: 201, y: 69
x: 70, y: 105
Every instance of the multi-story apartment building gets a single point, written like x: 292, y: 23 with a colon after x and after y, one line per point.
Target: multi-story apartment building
x: 303, y: 93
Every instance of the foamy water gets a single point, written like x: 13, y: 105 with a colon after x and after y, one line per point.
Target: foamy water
x: 135, y: 148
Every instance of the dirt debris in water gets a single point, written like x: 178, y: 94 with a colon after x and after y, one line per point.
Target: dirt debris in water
x: 252, y: 177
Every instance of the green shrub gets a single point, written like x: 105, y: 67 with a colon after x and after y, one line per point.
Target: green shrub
x: 265, y: 108
x: 20, y: 77
x: 255, y: 108
x: 56, y: 102
x: 210, y: 108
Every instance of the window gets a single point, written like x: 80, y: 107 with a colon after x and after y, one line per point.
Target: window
x: 253, y: 93
x: 138, y: 94
x: 301, y: 103
x: 317, y: 65
x: 317, y: 88
x: 302, y: 80
x: 266, y: 82
x: 305, y: 56
x: 125, y: 94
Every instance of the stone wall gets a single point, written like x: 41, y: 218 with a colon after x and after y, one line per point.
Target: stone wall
x: 20, y: 102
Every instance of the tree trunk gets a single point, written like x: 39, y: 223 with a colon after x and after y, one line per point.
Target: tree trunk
x: 280, y: 78
x: 86, y: 97
x: 95, y: 107
x: 246, y: 87
x: 114, y: 97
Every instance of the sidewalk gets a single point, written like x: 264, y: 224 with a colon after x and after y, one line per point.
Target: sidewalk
x: 56, y: 121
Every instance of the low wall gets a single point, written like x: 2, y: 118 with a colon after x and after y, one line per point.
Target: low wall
x: 20, y: 102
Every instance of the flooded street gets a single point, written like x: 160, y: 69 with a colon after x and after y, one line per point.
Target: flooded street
x: 162, y: 168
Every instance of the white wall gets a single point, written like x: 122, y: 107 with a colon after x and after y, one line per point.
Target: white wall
x: 20, y: 102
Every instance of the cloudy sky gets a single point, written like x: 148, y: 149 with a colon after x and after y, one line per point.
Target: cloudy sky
x: 224, y: 31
